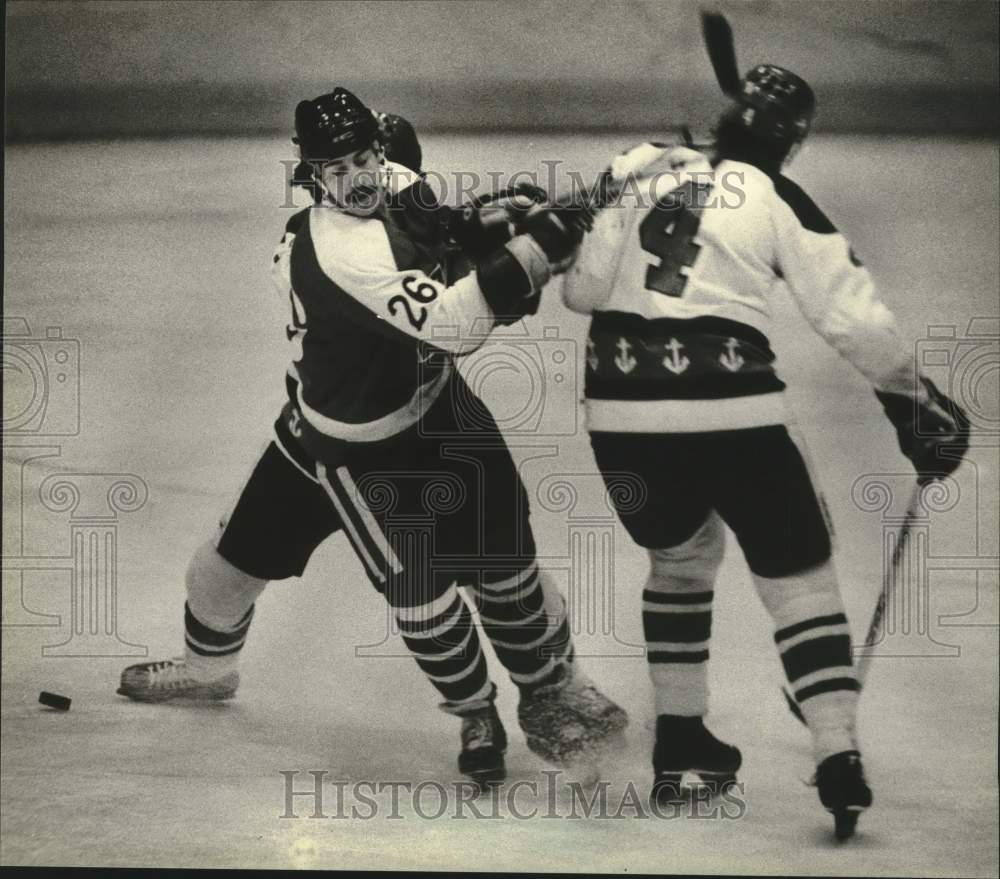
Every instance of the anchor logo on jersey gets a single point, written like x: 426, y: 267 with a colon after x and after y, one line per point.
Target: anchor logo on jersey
x: 675, y: 361
x: 624, y: 359
x: 729, y: 358
x: 592, y: 360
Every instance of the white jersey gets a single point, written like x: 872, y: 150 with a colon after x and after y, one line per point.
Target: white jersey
x: 679, y: 276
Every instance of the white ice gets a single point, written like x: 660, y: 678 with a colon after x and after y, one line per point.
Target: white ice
x: 154, y: 256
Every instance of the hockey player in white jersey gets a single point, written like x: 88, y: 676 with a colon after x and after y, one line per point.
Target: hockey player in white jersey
x: 681, y: 389
x: 381, y: 436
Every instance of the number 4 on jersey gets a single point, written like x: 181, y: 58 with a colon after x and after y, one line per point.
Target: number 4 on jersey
x: 668, y: 231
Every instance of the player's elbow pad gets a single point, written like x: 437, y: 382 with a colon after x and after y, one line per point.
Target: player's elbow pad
x: 512, y: 278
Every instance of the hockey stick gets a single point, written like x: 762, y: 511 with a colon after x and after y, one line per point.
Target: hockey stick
x: 580, y: 209
x: 889, y: 580
x: 718, y: 37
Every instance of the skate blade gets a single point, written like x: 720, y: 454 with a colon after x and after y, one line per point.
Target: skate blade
x: 717, y: 782
x: 487, y: 779
x: 845, y: 821
x: 669, y: 790
x: 203, y: 696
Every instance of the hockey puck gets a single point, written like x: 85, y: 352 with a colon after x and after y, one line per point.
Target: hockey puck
x: 52, y: 700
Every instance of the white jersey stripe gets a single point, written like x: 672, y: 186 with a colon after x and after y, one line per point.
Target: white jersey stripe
x: 685, y: 416
x: 369, y: 521
x: 374, y: 570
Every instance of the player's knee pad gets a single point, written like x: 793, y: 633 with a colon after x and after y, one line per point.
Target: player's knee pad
x: 218, y: 593
x: 806, y: 595
x: 691, y: 565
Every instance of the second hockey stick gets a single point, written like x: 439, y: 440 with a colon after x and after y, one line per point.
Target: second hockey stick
x: 890, y: 579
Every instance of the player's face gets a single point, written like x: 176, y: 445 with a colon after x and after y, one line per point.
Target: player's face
x: 356, y: 183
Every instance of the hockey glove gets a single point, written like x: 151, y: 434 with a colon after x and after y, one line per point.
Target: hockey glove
x: 934, y: 435
x: 553, y: 231
x: 486, y: 223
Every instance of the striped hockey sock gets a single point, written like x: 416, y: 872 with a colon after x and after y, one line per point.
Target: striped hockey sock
x: 677, y: 619
x: 524, y: 616
x: 814, y: 641
x: 677, y: 626
x: 442, y: 638
x: 212, y: 652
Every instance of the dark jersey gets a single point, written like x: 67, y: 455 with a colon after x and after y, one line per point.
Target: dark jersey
x: 375, y: 324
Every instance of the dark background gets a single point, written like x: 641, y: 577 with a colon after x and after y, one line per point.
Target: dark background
x: 127, y: 69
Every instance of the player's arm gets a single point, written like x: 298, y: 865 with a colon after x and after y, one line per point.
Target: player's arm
x: 836, y: 293
x: 590, y: 279
x: 504, y: 287
x: 648, y: 171
x: 838, y: 297
x: 281, y: 271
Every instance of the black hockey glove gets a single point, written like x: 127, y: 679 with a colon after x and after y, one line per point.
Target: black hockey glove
x: 484, y: 224
x: 555, y: 232
x: 933, y: 435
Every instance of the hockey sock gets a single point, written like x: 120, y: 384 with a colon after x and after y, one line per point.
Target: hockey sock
x: 814, y: 641
x: 218, y: 612
x: 213, y: 652
x: 442, y: 638
x: 524, y: 616
x: 677, y: 619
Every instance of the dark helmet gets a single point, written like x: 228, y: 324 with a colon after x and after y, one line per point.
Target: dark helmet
x: 776, y: 105
x: 333, y: 125
x: 400, y: 140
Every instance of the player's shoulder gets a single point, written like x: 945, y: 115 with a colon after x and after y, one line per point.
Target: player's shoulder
x: 345, y: 243
x: 650, y: 158
x: 807, y: 212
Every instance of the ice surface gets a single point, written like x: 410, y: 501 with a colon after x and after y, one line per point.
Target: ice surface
x: 154, y: 256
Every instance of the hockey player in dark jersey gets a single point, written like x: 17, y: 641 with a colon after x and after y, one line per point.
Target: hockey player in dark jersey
x: 681, y: 389
x: 381, y: 437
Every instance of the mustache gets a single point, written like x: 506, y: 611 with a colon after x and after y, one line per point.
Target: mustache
x: 363, y: 195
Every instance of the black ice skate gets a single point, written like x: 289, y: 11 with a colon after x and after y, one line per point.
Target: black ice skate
x: 843, y: 790
x: 484, y: 742
x: 683, y: 744
x: 567, y: 721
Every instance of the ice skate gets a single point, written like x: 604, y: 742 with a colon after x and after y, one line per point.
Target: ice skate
x: 568, y: 722
x: 173, y: 679
x: 684, y: 744
x: 843, y: 790
x: 484, y: 742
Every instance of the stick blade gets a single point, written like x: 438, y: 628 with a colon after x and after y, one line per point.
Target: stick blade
x: 718, y: 37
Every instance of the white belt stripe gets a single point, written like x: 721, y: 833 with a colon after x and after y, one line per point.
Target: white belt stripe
x: 685, y: 416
